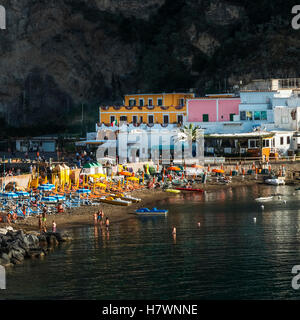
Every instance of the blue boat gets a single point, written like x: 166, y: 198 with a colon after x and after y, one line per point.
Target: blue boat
x: 151, y: 212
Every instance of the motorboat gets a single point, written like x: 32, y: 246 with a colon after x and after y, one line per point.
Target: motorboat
x: 151, y: 212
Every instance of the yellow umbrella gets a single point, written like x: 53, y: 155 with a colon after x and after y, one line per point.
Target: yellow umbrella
x: 101, y: 185
x: 133, y: 179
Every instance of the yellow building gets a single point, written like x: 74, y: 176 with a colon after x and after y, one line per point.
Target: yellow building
x: 161, y: 108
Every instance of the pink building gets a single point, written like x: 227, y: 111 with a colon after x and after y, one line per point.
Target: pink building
x: 212, y: 110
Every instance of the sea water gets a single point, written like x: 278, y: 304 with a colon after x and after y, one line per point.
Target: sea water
x: 228, y: 255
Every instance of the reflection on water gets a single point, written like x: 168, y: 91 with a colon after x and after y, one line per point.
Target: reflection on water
x: 218, y: 252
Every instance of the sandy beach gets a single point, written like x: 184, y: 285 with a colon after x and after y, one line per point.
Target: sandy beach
x: 76, y: 217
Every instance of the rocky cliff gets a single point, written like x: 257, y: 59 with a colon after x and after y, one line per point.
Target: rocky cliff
x: 56, y: 55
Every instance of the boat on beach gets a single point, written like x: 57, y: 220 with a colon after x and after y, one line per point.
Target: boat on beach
x: 264, y: 199
x: 151, y: 212
x: 127, y: 197
x: 172, y: 190
x: 116, y: 201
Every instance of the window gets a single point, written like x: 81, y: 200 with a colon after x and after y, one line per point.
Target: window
x: 123, y: 118
x: 150, y: 102
x: 231, y: 116
x: 266, y: 143
x: 288, y: 140
x: 159, y: 101
x: 181, y: 102
x: 132, y: 102
x: 249, y: 115
x: 141, y: 102
x: 205, y: 118
x: 284, y: 120
x: 263, y: 115
x: 243, y: 115
x: 112, y: 119
x: 252, y: 143
x: 134, y: 119
x: 166, y: 119
x: 256, y: 115
x: 141, y: 119
x: 281, y: 140
x: 179, y: 118
x: 150, y: 119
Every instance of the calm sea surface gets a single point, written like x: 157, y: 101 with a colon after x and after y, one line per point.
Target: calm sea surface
x: 228, y: 257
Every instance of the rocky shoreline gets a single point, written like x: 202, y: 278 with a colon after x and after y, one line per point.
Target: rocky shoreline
x: 18, y: 245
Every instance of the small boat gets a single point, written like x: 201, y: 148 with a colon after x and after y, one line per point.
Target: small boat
x: 151, y: 212
x: 190, y: 189
x: 173, y: 190
x: 116, y: 201
x: 275, y: 181
x: 262, y: 199
x: 127, y: 197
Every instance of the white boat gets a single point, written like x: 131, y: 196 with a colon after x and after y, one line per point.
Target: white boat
x: 263, y: 199
x: 116, y: 201
x: 275, y: 181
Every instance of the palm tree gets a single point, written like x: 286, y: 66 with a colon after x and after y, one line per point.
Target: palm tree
x: 188, y: 134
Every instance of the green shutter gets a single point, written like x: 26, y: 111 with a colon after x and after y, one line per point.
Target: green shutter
x: 205, y: 118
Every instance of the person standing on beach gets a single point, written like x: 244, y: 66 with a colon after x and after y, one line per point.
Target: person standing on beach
x: 99, y: 216
x: 53, y: 226
x: 40, y: 223
x: 95, y: 217
x: 44, y: 217
x: 107, y: 223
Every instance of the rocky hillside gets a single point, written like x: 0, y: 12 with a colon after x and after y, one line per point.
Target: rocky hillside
x: 56, y: 55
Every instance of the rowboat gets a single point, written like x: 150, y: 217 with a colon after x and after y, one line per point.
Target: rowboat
x: 151, y: 212
x: 126, y: 197
x: 190, y: 189
x: 116, y: 201
x: 173, y: 190
x: 262, y: 199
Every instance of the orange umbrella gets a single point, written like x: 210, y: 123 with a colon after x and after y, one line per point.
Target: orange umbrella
x: 126, y: 173
x: 196, y: 166
x: 174, y: 169
x: 218, y: 170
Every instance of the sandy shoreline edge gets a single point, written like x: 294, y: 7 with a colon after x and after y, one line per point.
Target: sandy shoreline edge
x: 83, y: 216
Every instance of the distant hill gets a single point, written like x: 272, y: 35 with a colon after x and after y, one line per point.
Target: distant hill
x: 57, y: 55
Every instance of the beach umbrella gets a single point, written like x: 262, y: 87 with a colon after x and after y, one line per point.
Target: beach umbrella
x: 45, y: 188
x: 126, y: 173
x: 9, y: 195
x: 22, y: 193
x: 49, y: 199
x: 174, y: 169
x: 218, y: 170
x: 196, y: 166
x: 133, y: 179
x: 83, y: 191
x: 101, y: 185
x: 59, y: 198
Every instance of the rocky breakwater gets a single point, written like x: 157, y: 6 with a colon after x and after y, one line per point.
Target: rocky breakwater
x: 16, y: 245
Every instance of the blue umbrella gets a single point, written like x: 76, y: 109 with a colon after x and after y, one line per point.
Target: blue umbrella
x: 46, y: 187
x: 60, y: 197
x: 22, y: 193
x: 49, y: 199
x: 83, y: 191
x: 9, y: 195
